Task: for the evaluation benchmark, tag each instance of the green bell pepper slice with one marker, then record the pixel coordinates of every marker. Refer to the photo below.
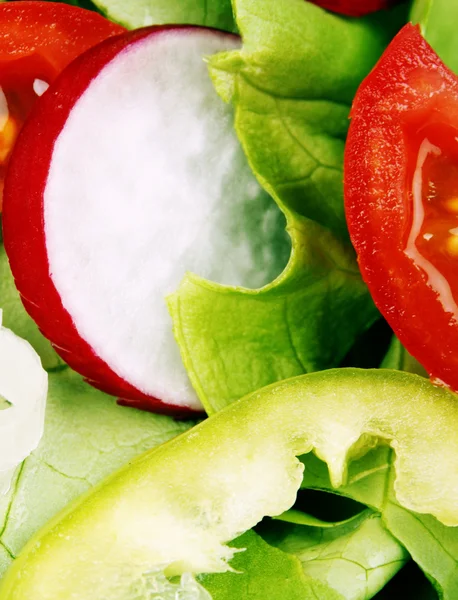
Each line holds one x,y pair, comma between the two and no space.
175,509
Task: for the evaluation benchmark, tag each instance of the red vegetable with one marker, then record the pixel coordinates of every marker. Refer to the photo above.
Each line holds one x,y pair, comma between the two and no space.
401,194
110,193
37,40
354,8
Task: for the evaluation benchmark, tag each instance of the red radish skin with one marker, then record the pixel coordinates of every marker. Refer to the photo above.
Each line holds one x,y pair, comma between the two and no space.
355,8
106,315
23,211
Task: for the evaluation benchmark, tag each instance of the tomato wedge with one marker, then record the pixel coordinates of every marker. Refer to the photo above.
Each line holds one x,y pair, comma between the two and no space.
354,8
37,40
401,195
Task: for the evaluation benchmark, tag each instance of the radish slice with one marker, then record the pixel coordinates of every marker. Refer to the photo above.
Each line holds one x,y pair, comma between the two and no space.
23,391
137,178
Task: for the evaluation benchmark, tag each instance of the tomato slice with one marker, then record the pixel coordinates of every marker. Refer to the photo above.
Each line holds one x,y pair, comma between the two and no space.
355,8
37,40
401,196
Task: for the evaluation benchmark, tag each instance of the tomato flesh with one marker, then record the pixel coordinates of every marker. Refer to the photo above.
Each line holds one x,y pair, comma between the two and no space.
432,241
354,8
37,41
401,198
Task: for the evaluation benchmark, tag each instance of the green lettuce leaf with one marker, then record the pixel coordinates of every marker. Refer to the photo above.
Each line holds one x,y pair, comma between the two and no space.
291,84
87,436
261,571
16,318
410,582
356,558
432,545
234,341
437,20
297,517
139,13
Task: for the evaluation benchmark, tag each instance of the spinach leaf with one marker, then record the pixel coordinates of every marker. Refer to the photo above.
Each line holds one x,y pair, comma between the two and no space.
291,85
437,20
261,571
139,13
87,436
356,558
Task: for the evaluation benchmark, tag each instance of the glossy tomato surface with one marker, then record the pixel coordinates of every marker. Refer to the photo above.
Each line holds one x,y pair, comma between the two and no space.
37,40
401,195
354,8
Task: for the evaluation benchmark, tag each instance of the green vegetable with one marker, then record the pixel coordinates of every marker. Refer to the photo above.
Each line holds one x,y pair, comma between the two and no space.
180,504
437,20
87,436
408,583
4,403
357,558
261,571
291,84
433,546
298,517
139,13
235,341
16,318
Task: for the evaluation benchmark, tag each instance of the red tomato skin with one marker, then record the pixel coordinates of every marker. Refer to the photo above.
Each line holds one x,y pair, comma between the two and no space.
37,41
54,31
409,79
24,234
354,8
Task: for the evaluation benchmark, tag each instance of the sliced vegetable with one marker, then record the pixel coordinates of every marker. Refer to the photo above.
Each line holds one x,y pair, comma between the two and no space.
86,437
23,390
38,39
354,8
400,198
110,217
176,507
291,83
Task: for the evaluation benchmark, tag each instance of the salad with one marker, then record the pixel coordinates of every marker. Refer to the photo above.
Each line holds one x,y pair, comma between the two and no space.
177,239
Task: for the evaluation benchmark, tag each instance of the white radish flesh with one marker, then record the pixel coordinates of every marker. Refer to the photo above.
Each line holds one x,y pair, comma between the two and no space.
148,181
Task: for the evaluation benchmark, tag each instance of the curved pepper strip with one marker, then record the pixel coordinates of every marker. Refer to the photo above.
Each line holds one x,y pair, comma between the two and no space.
176,507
